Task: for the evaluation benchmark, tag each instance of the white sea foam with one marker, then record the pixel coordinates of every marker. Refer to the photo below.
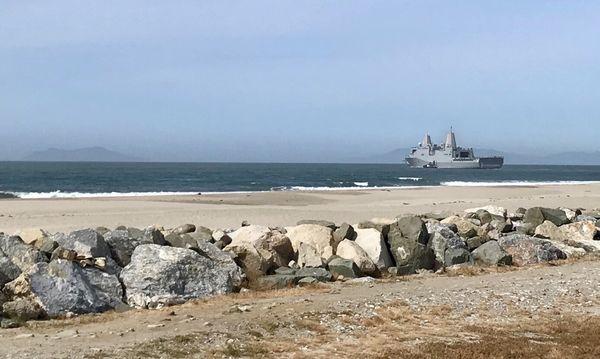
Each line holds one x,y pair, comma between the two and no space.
359,186
514,183
410,178
60,194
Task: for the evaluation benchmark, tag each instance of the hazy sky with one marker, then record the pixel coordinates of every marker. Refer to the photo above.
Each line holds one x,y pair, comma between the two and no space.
296,80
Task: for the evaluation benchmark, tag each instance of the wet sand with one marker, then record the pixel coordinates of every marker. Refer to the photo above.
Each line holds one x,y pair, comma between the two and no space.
278,208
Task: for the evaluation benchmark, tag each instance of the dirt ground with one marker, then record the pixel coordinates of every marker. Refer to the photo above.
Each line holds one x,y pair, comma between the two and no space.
549,311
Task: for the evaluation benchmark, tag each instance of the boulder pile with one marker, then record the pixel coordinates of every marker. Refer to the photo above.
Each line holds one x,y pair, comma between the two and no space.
47,275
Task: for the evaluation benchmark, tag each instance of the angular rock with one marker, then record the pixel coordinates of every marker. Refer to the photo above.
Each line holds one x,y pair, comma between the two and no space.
343,267
491,254
62,287
29,236
571,214
278,246
45,245
308,256
534,215
411,227
484,216
580,235
351,250
121,246
371,240
526,250
475,242
260,249
184,229
526,228
556,216
202,234
254,263
87,242
221,239
454,256
319,237
160,276
318,222
465,227
181,241
22,255
493,210
275,281
345,231
547,230
409,254
440,240
320,274
8,270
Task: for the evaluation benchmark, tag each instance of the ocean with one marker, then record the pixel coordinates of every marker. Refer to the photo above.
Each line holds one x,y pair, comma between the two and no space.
71,180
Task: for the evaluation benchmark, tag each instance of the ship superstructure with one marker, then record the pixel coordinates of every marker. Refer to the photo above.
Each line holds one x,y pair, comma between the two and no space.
448,155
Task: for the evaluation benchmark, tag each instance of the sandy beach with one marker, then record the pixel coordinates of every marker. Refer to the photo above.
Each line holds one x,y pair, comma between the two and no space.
278,208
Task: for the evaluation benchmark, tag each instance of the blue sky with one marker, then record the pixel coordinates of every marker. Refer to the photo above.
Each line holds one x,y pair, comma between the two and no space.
296,80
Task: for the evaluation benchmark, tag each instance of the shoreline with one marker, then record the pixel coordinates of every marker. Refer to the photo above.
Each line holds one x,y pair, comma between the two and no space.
278,208
294,189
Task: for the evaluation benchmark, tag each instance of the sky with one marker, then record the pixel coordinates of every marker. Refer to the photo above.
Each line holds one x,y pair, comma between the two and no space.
297,81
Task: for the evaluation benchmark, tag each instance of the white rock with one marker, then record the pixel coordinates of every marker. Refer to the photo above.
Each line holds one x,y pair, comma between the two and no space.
371,240
319,237
308,256
571,215
31,235
580,235
249,234
348,249
547,230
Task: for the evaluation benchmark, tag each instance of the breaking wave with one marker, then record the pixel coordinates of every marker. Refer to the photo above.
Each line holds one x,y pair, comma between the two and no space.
514,183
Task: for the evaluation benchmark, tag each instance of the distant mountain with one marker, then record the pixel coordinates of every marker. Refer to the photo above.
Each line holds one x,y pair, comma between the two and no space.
90,154
562,158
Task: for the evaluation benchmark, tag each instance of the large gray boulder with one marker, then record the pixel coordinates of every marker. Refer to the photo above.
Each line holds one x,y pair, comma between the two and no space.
408,239
537,216
8,270
491,254
527,250
442,239
122,243
20,254
61,287
411,227
341,267
159,276
86,242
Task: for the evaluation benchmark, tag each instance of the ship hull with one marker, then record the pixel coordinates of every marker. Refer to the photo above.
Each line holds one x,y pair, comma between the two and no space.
478,163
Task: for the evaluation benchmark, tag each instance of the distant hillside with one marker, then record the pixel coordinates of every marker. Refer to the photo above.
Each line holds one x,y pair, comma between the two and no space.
562,158
90,154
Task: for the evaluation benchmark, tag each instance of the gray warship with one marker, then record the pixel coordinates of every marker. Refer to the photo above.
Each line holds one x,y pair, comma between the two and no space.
448,155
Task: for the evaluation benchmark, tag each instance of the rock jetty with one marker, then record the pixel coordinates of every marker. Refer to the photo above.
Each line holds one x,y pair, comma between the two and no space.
52,275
